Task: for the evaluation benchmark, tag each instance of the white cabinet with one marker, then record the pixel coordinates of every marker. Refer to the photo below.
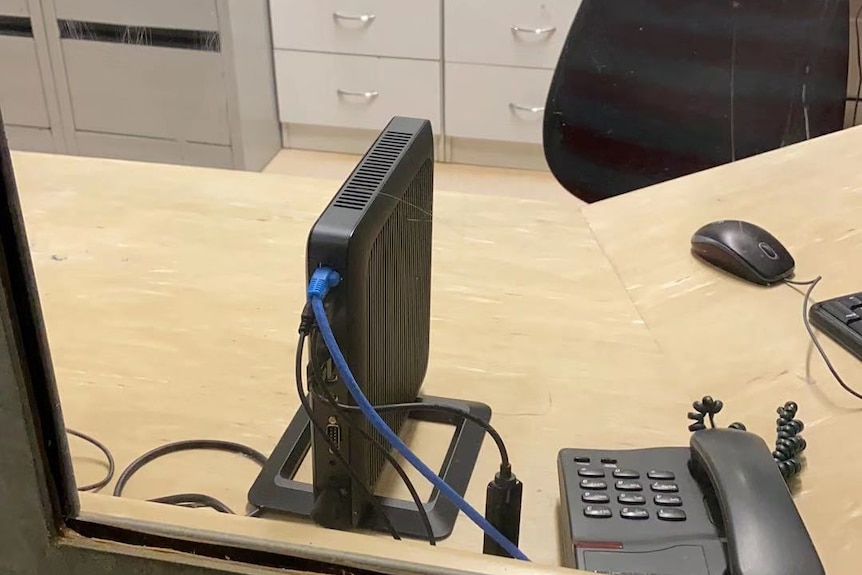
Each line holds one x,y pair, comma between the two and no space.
188,82
480,70
353,64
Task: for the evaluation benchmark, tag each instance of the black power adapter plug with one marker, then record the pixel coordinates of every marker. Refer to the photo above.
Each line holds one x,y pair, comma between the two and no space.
503,509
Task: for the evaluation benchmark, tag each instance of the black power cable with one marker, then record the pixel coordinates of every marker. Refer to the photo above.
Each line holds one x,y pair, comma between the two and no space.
326,395
108,456
189,499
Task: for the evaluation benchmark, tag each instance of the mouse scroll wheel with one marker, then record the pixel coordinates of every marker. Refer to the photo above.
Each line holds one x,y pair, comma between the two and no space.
768,251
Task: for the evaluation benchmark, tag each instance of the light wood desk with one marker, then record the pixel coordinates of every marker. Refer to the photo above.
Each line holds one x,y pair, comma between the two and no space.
747,344
171,298
172,295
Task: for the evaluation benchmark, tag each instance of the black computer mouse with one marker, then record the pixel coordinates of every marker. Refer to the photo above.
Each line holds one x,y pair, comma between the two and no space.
744,250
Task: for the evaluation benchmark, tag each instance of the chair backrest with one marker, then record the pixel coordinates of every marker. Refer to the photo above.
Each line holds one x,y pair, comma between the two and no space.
649,90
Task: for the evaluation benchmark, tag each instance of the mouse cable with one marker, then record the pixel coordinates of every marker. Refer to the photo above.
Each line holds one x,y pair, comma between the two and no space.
333,448
325,395
108,456
194,500
805,301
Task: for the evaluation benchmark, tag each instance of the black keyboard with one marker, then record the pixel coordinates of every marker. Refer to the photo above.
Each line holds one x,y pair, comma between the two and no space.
840,319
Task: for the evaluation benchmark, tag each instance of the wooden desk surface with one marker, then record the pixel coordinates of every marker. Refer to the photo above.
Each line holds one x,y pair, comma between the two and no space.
747,344
171,297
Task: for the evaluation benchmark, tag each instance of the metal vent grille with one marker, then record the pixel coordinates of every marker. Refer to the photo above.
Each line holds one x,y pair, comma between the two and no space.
399,301
368,177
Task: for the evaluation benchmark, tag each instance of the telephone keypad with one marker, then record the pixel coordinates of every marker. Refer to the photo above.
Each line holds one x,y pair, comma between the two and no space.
648,501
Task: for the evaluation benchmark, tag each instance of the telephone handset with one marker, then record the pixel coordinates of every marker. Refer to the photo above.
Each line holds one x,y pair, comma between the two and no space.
720,506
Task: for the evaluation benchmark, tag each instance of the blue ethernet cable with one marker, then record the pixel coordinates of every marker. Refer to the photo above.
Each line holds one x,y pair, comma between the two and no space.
321,281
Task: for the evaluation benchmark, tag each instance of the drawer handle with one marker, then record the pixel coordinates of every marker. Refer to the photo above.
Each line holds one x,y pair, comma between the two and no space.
534,31
364,18
367,96
533,110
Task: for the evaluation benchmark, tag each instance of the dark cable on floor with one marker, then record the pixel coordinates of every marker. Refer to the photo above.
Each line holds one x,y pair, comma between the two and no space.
189,499
300,388
858,64
326,395
805,302
108,456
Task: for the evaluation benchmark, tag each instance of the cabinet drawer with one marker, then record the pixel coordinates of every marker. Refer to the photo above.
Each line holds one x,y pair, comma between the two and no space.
508,32
406,29
175,14
14,8
495,102
22,100
147,91
355,91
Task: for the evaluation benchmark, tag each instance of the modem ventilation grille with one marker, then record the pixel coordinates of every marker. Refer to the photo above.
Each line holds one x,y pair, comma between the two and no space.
369,175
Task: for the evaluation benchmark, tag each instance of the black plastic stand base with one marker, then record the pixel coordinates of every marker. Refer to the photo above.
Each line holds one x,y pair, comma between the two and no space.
276,490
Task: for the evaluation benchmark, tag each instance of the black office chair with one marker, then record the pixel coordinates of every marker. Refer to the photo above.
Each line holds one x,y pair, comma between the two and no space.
649,90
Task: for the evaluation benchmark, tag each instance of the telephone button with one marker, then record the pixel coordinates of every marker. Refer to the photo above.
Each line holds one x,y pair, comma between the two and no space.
626,474
590,497
634,513
591,472
593,484
631,499
661,475
582,459
671,514
597,511
664,487
626,485
668,500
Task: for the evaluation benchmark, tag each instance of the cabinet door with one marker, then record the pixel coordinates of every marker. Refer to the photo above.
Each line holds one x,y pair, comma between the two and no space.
400,28
355,91
508,32
496,102
147,91
22,99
